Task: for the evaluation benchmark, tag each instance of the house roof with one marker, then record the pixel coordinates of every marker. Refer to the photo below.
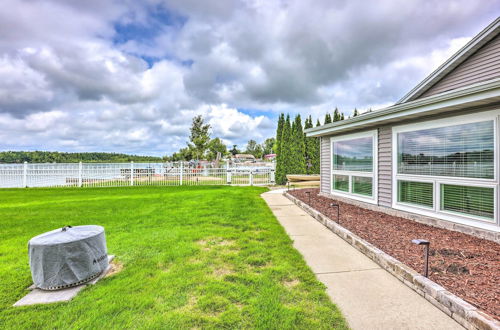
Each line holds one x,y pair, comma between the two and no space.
412,106
454,61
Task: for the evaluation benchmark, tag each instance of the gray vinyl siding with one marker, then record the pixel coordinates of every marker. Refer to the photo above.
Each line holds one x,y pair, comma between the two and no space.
385,166
481,66
325,165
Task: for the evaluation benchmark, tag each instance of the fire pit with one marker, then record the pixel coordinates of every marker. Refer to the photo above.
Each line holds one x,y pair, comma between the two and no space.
67,256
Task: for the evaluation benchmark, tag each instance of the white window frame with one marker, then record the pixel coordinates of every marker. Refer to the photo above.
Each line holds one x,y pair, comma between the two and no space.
374,174
436,211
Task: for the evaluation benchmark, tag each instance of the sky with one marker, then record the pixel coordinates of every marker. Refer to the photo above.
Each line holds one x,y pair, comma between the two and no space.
128,76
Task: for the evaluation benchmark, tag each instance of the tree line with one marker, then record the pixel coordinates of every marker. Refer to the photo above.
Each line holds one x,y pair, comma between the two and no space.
296,153
71,157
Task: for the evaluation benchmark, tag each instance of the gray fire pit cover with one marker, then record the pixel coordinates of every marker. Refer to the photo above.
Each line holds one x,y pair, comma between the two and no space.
67,256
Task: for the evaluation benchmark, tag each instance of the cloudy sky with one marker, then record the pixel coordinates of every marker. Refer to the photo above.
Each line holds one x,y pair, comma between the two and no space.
128,76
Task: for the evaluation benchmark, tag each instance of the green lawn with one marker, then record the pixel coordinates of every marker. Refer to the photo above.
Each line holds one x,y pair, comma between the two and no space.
193,257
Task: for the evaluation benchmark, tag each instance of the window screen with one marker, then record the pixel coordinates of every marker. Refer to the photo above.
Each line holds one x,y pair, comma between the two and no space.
353,155
418,193
458,151
362,185
477,201
341,182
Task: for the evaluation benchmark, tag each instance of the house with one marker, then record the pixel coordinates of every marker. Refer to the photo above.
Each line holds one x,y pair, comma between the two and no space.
434,155
240,158
270,157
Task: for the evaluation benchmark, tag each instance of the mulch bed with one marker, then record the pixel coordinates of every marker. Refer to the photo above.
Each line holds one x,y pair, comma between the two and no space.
465,265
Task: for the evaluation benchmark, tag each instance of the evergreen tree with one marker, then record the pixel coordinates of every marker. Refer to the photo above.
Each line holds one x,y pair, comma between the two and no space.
286,154
280,169
298,147
310,143
342,116
356,113
336,115
318,123
328,119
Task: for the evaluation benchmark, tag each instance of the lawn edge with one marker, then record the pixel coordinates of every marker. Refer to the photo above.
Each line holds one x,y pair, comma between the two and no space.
461,311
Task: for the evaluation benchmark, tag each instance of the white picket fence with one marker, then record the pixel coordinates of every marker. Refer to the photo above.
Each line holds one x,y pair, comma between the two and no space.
129,174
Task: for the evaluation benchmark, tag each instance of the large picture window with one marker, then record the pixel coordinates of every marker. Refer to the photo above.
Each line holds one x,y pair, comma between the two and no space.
458,151
447,168
353,165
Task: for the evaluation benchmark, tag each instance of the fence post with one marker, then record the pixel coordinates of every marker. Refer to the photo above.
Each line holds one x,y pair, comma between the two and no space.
182,172
228,173
251,177
271,176
80,174
25,175
132,173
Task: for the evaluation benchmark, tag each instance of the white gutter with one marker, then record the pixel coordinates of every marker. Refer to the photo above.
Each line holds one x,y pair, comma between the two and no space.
423,106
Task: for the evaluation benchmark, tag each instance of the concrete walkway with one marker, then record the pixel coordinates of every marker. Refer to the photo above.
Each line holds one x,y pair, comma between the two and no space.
368,296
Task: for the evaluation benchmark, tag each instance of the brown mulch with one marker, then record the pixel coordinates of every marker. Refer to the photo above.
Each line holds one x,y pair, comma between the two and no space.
465,265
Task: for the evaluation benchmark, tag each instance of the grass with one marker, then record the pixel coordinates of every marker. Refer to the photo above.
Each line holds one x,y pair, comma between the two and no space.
192,257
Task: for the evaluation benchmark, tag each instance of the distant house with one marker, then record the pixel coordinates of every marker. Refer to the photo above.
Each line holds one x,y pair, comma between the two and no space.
434,155
270,157
244,158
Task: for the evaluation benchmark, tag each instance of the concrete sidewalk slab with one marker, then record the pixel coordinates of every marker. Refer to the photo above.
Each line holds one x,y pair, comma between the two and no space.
368,296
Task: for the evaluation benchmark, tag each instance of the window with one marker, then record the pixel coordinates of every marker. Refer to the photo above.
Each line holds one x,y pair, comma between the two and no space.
353,165
341,182
362,185
475,201
416,193
353,155
447,168
457,151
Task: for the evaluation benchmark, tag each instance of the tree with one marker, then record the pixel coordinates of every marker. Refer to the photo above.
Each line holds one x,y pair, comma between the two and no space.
280,169
342,116
328,119
215,146
298,162
356,113
235,150
336,115
200,137
254,149
268,146
284,161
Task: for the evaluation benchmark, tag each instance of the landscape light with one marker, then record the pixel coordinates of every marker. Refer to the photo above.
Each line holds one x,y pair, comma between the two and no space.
309,195
426,245
338,210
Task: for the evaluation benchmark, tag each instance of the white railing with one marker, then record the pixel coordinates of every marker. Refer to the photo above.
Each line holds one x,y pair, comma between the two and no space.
129,174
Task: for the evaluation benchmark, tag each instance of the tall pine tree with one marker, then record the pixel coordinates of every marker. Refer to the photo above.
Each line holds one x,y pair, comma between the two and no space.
286,153
312,150
328,119
280,170
336,115
298,147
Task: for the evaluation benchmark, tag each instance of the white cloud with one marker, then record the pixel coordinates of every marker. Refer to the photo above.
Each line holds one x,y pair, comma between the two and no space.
128,76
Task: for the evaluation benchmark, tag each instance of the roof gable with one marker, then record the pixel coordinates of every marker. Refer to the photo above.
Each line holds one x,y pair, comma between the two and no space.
478,60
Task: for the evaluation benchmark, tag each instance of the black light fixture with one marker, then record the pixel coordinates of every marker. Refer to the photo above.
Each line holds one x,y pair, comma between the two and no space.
426,245
338,210
309,195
